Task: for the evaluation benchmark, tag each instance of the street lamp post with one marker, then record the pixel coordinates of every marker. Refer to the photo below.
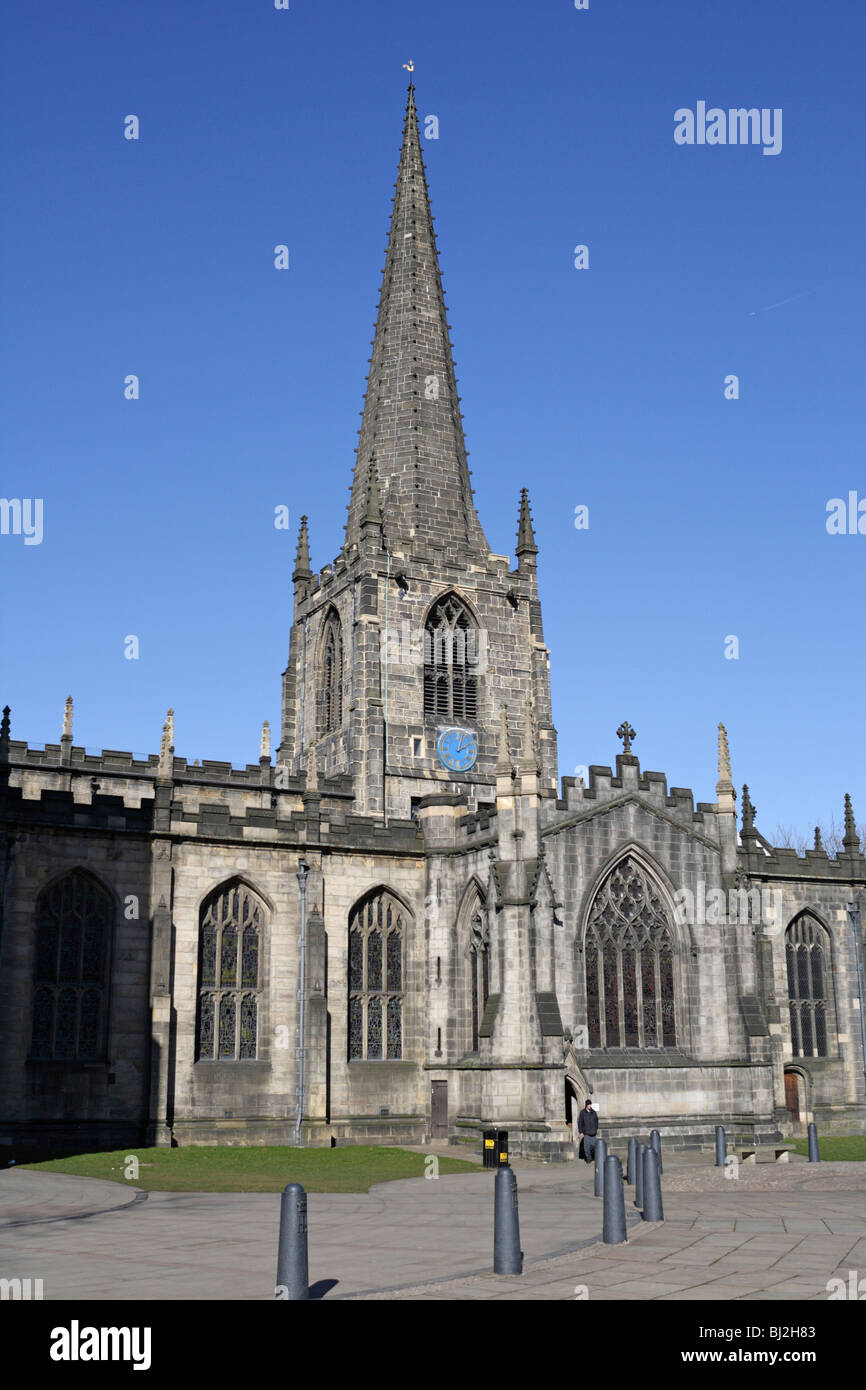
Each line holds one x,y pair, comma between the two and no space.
303,870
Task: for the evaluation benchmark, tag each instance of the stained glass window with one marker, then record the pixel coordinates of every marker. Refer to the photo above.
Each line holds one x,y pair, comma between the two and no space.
628,939
395,961
208,954
648,995
74,918
451,660
374,1028
64,1033
356,960
356,1029
666,971
629,997
248,1026
228,1010
205,1026
43,1023
88,1025
395,1028
230,932
229,956
593,1022
374,960
807,949
611,995
250,959
375,969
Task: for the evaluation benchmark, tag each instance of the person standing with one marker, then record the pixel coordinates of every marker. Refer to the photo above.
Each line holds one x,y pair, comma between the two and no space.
587,1128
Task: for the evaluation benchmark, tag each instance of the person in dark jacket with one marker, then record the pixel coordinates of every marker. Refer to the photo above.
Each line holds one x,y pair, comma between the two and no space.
587,1128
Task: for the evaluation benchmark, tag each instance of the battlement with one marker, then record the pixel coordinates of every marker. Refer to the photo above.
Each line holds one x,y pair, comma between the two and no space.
784,862
605,785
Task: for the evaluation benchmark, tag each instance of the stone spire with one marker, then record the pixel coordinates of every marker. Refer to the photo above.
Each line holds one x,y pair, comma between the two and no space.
302,559
166,746
725,805
748,809
850,840
4,749
724,784
819,844
525,534
411,417
265,741
66,734
748,833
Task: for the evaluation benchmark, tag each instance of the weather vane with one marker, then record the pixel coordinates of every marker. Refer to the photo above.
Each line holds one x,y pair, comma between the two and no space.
410,66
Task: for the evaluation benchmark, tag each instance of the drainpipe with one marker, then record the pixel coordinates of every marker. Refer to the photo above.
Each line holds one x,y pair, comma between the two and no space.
303,869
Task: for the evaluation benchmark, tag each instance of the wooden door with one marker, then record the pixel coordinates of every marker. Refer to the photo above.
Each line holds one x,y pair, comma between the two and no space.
439,1109
792,1095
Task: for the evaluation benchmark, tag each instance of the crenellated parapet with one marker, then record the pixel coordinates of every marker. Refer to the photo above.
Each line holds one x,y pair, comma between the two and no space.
607,788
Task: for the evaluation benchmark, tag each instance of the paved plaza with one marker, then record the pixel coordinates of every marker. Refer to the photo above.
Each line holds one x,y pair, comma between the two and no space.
775,1232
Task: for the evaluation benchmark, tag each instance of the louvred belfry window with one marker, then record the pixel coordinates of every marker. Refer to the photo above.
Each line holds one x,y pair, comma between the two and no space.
451,662
74,918
376,946
810,1004
629,963
330,695
230,947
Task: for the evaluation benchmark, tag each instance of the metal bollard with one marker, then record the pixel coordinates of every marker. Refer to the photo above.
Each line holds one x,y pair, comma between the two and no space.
652,1187
613,1218
721,1146
293,1279
632,1159
814,1152
656,1144
507,1254
600,1155
638,1175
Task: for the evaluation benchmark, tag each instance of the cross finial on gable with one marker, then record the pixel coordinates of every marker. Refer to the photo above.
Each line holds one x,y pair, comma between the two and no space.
626,733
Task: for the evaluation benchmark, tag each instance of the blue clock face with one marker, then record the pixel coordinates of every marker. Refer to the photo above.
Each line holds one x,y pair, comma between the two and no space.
457,749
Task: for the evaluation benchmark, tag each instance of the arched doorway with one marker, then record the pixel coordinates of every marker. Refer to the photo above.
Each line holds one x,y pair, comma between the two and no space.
795,1099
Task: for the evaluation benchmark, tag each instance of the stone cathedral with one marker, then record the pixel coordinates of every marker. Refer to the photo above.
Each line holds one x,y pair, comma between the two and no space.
397,927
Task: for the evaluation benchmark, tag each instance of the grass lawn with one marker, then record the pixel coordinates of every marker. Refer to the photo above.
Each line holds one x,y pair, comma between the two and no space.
219,1169
836,1147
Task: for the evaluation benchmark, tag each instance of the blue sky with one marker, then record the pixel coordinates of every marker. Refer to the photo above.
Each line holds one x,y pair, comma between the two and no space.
602,387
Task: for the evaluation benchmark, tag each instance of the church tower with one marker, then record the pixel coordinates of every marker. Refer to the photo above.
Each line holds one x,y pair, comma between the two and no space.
404,649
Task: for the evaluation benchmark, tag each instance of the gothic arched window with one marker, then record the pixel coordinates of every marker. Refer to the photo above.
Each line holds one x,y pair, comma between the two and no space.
229,975
807,954
376,946
451,661
331,676
629,961
479,967
74,917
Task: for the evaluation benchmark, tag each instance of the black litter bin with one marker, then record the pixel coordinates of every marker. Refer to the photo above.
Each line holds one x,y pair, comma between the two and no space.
494,1148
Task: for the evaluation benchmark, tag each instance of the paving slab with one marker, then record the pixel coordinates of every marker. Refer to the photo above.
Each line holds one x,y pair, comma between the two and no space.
420,1239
